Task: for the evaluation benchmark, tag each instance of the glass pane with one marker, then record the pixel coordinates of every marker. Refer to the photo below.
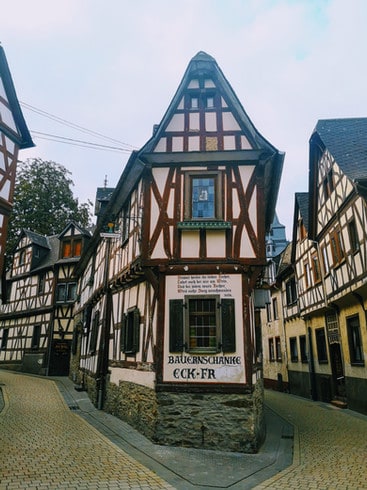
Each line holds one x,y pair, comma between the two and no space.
203,197
202,319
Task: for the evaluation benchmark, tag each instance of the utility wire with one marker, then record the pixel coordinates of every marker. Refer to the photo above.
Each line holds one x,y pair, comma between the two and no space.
75,142
73,125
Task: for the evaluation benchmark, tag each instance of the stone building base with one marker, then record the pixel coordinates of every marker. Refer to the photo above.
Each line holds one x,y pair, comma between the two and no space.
225,422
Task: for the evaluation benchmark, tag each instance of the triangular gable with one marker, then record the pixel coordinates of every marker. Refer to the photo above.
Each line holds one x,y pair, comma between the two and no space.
301,210
205,115
73,229
12,122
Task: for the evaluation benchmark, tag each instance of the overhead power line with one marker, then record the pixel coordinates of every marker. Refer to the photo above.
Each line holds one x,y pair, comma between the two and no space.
75,142
75,126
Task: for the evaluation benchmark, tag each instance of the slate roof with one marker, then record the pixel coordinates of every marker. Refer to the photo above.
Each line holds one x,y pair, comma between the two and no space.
37,239
346,140
302,202
23,138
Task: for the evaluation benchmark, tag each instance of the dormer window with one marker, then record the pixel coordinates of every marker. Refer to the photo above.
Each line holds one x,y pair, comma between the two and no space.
71,248
22,257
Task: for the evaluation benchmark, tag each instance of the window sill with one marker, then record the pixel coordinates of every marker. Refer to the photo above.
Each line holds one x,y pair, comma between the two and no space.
203,224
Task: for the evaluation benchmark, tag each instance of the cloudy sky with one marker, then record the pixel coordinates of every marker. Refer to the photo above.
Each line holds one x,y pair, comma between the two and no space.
104,72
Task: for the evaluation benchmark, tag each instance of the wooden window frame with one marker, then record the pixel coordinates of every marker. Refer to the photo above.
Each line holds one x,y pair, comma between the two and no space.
291,291
293,349
353,236
271,349
275,308
316,271
336,245
69,292
321,345
355,341
130,331
278,349
36,337
218,200
179,326
94,333
4,339
303,348
307,275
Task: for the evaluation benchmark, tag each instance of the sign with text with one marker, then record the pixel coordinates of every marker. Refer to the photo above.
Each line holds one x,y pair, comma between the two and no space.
205,367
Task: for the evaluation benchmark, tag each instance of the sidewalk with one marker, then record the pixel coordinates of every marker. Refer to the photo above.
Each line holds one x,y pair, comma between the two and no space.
185,468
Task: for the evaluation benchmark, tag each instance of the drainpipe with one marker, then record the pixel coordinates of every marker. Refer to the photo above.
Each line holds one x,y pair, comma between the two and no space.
312,366
105,332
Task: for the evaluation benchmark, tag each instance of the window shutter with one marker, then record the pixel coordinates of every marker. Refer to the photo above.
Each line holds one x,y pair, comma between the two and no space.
136,330
123,333
176,325
228,326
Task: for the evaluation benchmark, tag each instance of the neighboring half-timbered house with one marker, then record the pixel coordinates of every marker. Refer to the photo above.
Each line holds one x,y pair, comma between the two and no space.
167,337
324,289
337,304
36,318
14,135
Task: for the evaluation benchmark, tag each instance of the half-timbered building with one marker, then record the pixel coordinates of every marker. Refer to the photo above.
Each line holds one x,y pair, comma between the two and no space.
14,135
165,309
324,289
36,317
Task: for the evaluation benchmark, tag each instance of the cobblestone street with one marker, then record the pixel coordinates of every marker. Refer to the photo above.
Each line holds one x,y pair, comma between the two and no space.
330,446
44,445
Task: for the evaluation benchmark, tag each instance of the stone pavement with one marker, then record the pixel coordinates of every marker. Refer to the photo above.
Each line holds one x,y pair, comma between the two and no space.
46,444
330,446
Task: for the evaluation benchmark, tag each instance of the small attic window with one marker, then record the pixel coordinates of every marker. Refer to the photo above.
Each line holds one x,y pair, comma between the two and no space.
194,103
209,102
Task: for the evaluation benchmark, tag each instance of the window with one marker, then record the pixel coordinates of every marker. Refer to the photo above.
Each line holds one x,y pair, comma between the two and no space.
66,292
325,259
36,337
4,340
293,349
130,331
307,273
71,248
355,341
194,102
203,196
202,320
22,257
303,348
41,283
202,324
337,250
353,236
278,349
328,184
316,268
94,334
125,221
321,345
271,350
268,312
275,309
291,291
210,102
